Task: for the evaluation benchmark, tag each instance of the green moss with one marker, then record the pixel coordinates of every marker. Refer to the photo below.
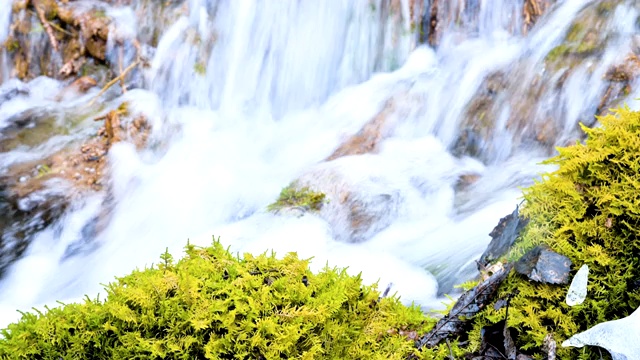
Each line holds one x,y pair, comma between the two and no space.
588,210
585,37
557,52
214,305
293,196
199,69
11,44
575,32
99,14
605,7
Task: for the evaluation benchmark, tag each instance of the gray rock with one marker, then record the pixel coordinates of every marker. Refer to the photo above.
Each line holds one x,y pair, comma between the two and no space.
503,237
544,265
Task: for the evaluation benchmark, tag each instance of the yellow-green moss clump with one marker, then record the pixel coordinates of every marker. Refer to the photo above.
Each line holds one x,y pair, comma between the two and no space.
214,305
588,210
293,196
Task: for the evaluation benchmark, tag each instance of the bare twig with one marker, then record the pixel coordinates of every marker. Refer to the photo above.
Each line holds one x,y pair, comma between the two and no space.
115,80
57,27
120,60
47,27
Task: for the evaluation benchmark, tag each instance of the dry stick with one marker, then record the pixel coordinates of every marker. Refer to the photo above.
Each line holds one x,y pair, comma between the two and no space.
53,25
115,80
120,60
57,27
45,23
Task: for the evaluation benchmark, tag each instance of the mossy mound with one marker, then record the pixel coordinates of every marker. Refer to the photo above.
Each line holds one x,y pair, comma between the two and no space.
295,196
214,305
588,210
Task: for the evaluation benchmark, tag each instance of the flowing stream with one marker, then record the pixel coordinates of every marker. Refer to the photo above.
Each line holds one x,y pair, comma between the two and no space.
246,96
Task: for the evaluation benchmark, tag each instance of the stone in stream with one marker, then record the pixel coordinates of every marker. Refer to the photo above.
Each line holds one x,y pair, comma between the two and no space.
544,265
356,208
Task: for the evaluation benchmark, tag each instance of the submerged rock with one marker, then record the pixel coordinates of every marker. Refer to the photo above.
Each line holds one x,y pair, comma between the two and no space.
23,215
543,265
367,140
508,102
356,208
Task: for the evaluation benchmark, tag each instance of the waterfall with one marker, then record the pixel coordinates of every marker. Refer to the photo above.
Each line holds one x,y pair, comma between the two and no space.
246,96
5,17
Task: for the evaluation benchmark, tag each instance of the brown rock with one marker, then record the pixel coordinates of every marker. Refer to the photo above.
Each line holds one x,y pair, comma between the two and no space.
532,11
96,47
368,138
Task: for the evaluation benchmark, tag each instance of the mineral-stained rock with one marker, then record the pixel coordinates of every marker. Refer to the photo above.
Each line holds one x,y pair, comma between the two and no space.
544,265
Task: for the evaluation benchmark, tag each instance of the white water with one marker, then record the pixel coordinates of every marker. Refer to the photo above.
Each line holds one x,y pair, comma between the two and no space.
286,82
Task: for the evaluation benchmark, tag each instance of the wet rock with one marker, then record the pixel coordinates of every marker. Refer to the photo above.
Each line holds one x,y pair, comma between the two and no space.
526,83
22,215
441,15
468,305
543,265
532,11
34,194
502,237
78,87
368,138
355,209
35,126
59,38
12,89
620,78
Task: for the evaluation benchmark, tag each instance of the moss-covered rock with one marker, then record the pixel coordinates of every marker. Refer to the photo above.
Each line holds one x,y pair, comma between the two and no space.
588,210
300,197
214,305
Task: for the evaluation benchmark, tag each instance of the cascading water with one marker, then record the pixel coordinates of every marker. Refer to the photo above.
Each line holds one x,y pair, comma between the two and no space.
246,96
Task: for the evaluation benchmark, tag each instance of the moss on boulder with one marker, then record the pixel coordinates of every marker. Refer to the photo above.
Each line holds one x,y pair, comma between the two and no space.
589,211
301,197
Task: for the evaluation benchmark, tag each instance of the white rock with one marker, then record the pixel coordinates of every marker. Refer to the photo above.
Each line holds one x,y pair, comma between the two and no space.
619,337
578,289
